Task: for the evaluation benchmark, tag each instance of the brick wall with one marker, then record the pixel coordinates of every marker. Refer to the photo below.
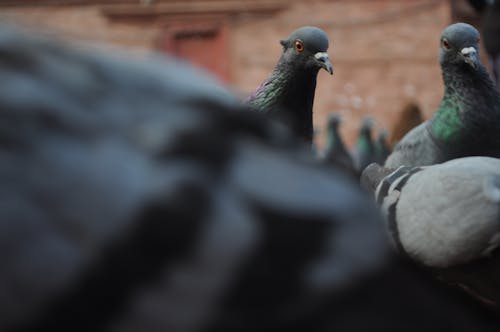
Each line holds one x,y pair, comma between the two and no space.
384,52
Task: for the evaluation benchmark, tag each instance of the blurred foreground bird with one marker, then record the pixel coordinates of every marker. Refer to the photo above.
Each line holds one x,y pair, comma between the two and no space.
446,217
288,94
364,152
467,121
335,152
140,196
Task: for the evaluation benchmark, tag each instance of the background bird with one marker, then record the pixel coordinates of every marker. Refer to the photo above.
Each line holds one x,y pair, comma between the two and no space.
288,93
468,119
446,217
364,152
382,149
335,152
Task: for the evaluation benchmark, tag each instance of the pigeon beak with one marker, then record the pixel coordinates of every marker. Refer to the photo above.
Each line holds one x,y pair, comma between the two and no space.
324,61
470,56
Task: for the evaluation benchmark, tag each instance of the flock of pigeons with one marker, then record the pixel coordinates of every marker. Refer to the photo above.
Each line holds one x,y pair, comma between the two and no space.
139,195
439,190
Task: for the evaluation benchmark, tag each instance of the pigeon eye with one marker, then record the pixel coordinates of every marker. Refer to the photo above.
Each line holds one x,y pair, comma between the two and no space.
299,45
446,44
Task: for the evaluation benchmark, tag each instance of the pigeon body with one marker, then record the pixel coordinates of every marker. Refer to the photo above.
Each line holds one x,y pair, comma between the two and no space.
468,118
364,153
288,94
446,217
335,153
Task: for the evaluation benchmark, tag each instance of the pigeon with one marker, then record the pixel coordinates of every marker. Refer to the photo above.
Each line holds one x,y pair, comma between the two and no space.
467,120
446,217
335,152
382,149
140,195
288,94
409,117
364,153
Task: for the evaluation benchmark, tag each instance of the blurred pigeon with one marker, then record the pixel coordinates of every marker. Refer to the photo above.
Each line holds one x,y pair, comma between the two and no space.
288,94
364,153
446,217
140,196
382,150
335,152
314,147
467,121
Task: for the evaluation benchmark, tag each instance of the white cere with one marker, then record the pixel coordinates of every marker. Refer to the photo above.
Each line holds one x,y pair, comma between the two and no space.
468,50
321,55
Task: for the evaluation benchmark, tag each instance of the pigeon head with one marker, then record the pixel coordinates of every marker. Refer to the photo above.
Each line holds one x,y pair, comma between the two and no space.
383,135
306,49
334,121
366,126
459,45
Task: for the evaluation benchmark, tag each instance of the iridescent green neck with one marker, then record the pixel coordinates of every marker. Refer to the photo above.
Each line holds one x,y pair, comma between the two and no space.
446,124
363,142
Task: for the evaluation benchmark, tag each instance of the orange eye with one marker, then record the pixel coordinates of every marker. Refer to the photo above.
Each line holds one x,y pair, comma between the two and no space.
446,44
299,45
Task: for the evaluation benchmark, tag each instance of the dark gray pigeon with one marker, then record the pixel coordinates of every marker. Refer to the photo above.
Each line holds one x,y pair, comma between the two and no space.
141,196
335,152
446,217
364,152
288,94
467,121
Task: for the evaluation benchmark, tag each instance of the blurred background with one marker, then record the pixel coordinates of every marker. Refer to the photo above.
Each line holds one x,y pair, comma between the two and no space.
384,52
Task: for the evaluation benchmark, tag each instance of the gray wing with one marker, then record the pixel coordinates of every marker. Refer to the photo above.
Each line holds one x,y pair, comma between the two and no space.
445,213
415,149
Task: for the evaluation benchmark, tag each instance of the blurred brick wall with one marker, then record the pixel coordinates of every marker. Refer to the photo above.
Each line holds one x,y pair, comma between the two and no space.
384,52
